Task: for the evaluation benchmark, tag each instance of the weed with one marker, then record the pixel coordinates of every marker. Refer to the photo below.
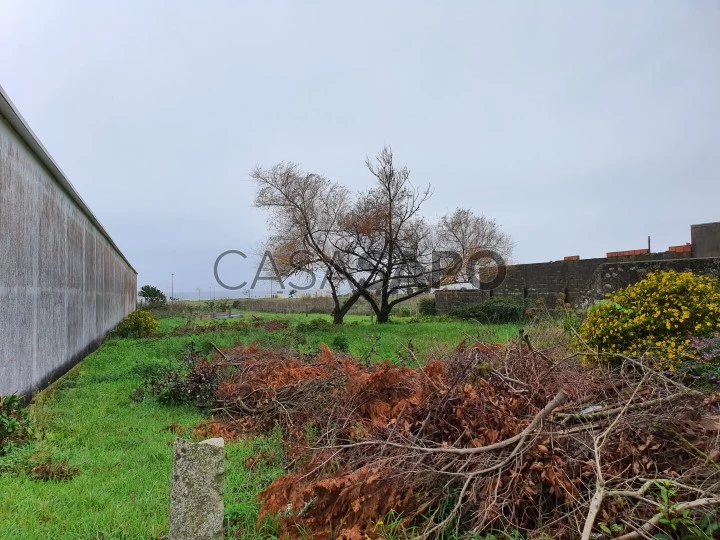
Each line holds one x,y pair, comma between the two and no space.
123,448
371,350
314,325
340,344
47,469
406,355
427,306
15,427
193,381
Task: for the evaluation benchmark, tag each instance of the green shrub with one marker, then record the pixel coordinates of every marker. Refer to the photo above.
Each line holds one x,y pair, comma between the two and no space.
493,310
138,324
427,306
658,314
571,320
15,427
314,325
192,380
403,312
340,343
152,296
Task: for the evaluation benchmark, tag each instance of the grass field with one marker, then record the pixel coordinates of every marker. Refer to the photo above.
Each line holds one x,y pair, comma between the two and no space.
122,449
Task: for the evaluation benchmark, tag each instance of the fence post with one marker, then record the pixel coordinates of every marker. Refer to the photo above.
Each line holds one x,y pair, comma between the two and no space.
198,484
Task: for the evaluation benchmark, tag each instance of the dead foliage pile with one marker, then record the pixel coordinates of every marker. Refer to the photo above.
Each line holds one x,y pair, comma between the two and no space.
492,437
48,469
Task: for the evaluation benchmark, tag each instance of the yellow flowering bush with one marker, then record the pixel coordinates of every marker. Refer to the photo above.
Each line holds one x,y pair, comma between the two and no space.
655,316
137,325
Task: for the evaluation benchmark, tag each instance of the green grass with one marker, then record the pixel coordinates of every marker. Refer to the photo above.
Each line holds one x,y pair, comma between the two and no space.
123,449
430,336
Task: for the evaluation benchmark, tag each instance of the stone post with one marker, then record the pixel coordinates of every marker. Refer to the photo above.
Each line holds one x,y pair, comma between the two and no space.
198,484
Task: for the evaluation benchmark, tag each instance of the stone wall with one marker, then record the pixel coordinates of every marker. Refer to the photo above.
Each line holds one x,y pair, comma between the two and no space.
578,282
63,282
446,301
612,276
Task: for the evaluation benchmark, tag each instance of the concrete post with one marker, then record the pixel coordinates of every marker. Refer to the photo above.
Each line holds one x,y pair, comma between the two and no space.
198,483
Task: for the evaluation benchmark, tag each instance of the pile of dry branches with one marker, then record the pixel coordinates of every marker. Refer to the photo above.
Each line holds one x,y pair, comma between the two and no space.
489,438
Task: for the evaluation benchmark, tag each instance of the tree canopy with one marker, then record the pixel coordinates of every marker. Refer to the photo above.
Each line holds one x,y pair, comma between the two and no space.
152,295
377,243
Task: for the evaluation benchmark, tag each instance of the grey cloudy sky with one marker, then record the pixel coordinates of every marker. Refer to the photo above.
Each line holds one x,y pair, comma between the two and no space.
582,127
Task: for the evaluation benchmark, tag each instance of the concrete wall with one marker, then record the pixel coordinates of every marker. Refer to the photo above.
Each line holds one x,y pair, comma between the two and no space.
705,240
63,282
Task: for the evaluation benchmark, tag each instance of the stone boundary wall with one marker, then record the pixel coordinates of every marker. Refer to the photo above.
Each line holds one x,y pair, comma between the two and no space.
448,300
63,282
612,276
577,282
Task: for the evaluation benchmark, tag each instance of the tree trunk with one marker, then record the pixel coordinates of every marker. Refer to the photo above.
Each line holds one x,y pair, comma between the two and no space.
383,315
339,311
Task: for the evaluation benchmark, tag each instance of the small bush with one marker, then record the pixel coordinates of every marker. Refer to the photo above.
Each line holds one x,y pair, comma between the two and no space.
15,427
138,324
571,320
403,312
341,344
193,381
494,310
314,325
658,314
427,306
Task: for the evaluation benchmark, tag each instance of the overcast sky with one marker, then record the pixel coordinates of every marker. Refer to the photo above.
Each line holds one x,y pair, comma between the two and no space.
582,127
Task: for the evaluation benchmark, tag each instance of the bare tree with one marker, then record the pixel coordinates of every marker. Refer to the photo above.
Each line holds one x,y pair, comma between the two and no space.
385,242
468,235
306,210
377,244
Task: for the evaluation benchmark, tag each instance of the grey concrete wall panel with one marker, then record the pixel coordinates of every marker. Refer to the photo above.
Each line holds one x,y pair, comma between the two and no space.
705,240
63,282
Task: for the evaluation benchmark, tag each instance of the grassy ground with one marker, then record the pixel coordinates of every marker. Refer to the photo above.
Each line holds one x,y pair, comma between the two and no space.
122,449
367,340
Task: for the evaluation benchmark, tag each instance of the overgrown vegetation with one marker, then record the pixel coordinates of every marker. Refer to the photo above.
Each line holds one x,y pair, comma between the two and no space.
656,317
138,324
703,363
489,438
107,458
15,426
492,311
192,380
391,431
427,306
